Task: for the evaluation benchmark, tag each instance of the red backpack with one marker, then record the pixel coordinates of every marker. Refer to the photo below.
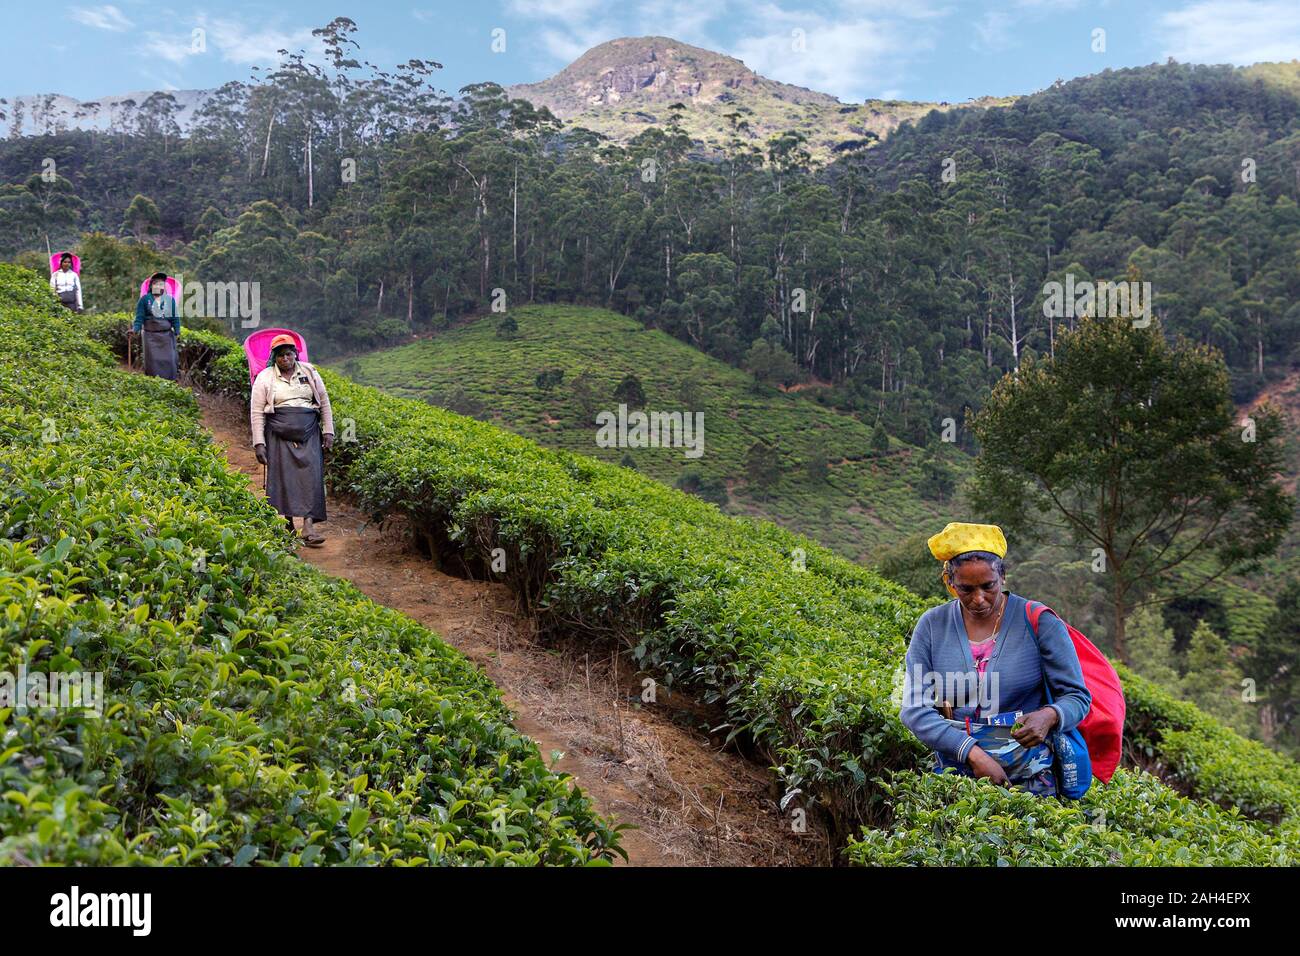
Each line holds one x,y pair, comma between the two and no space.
1102,727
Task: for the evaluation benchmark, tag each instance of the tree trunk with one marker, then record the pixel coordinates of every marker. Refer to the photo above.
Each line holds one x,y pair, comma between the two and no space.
1259,343
310,183
1015,342
514,224
988,338
266,150
1118,639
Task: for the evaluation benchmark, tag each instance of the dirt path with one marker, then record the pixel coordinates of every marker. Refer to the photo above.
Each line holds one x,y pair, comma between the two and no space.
651,765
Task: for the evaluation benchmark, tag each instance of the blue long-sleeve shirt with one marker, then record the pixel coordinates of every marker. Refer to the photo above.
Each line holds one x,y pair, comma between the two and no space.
144,310
940,667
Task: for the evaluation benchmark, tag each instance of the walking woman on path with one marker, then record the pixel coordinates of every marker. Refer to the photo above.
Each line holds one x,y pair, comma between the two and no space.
158,322
981,689
292,428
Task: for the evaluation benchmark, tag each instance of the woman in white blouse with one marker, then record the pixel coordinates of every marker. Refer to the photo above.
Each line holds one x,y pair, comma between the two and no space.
66,284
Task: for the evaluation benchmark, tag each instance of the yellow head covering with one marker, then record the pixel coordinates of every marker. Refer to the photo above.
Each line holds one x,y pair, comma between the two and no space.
959,537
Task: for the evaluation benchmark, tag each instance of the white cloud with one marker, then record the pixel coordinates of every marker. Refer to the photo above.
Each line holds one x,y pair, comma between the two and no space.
851,59
152,83
571,31
685,20
567,45
911,9
234,41
993,32
1232,31
552,9
106,17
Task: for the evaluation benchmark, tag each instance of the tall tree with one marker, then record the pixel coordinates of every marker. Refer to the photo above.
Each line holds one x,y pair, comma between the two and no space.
1130,446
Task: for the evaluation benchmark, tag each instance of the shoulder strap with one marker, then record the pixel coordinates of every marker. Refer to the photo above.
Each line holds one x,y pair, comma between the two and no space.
1033,611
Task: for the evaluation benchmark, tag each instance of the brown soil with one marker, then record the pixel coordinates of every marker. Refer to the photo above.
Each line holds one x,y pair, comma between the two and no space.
652,765
1284,394
813,382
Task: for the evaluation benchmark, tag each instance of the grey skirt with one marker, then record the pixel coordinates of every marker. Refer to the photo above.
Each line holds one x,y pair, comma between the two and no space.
159,348
295,463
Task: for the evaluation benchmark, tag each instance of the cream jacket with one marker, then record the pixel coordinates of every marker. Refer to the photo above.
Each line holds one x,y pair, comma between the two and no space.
262,401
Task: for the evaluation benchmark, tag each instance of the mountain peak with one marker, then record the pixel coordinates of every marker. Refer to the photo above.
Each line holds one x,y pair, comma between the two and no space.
621,87
652,70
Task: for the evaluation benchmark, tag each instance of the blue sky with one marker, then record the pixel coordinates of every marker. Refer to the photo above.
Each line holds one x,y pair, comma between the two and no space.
854,49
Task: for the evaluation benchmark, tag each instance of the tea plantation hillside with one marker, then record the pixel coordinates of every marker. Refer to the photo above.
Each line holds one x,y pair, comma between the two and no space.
861,498
254,710
863,501
798,647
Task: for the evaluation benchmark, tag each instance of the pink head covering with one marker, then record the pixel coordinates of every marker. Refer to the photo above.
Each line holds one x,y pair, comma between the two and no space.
58,257
257,348
172,287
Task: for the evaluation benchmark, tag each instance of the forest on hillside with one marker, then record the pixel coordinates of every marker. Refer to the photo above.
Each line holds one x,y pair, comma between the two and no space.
910,276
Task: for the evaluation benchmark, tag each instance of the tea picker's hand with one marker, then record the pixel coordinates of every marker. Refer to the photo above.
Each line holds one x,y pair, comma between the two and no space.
260,452
328,441
982,765
1034,728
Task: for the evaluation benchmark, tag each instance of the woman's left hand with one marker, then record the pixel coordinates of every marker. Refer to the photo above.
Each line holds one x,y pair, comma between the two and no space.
1035,727
327,441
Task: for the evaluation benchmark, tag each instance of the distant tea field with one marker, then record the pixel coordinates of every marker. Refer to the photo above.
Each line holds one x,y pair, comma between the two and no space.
859,499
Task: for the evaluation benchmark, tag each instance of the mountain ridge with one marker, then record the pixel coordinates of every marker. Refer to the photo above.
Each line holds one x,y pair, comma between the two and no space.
622,86
619,89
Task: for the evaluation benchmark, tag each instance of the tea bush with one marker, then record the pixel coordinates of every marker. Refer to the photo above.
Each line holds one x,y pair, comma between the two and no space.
255,711
1135,820
1201,755
798,646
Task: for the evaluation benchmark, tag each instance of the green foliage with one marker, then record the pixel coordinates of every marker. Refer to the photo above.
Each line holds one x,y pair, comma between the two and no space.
1128,167
1202,756
629,392
861,504
112,270
938,474
694,482
255,710
141,218
1133,445
770,365
548,378
817,467
797,646
951,820
909,563
1151,647
1275,666
1213,681
762,468
879,439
